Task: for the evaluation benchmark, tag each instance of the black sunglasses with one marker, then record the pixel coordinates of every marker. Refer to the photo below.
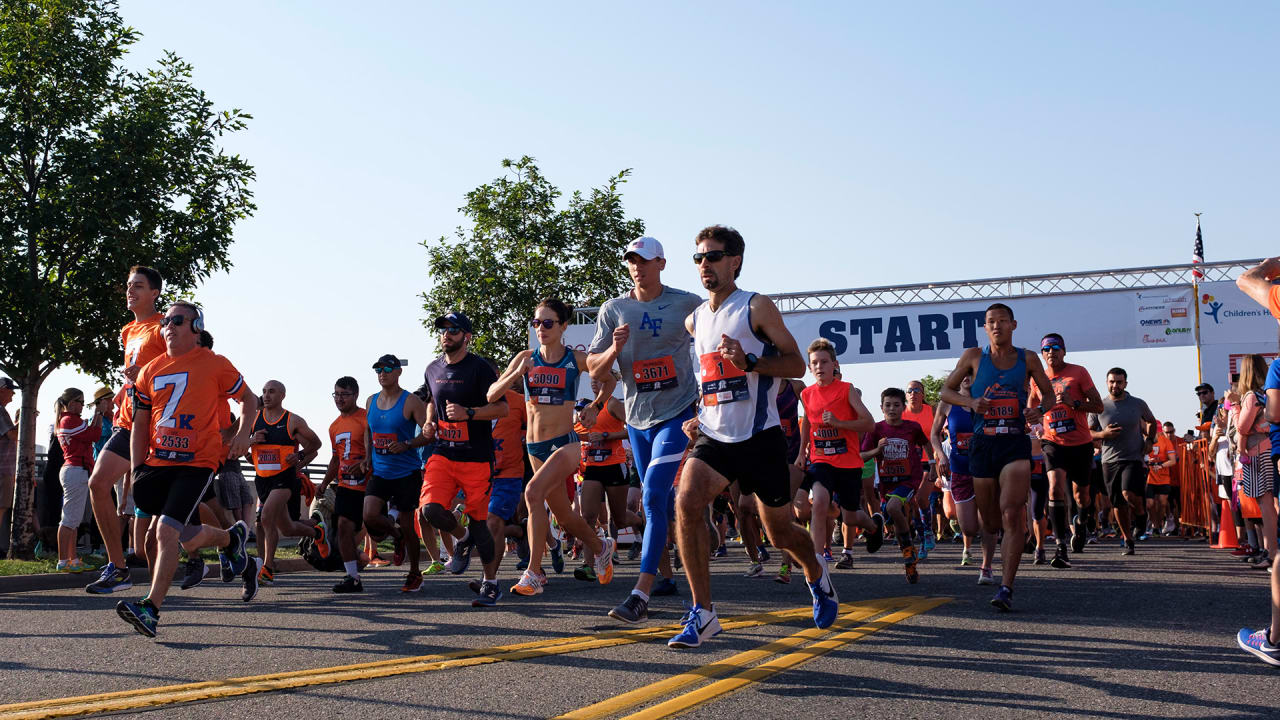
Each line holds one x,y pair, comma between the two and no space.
712,255
174,320
450,331
546,324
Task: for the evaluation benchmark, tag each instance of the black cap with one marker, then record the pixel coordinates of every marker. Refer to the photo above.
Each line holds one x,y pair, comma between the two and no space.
8,384
1202,387
455,318
389,359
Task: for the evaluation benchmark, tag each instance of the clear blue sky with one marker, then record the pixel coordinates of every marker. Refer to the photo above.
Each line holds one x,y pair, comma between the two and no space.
852,144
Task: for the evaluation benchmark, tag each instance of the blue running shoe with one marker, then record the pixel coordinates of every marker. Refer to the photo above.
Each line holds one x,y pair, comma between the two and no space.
112,579
664,586
1257,643
1003,600
237,557
142,615
488,595
557,557
461,558
764,553
699,624
929,542
825,603
720,552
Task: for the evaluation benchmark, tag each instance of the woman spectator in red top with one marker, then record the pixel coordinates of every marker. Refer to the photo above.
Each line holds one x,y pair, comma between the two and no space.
76,437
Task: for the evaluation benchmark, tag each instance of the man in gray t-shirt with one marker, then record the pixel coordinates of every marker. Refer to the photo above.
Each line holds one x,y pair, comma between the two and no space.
643,332
1126,429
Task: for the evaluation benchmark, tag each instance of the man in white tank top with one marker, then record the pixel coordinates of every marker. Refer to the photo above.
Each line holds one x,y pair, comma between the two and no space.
744,351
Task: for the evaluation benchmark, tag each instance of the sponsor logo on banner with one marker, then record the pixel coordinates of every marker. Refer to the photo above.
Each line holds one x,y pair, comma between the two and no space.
1154,340
1166,313
1153,321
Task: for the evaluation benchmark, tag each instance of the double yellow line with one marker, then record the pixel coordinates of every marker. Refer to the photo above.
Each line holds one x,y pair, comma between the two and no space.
221,689
826,641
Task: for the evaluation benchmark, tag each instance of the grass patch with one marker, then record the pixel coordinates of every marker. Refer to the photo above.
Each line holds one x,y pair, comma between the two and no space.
44,565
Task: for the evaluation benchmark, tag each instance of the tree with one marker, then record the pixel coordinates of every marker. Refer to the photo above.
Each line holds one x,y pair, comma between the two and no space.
520,249
933,388
100,168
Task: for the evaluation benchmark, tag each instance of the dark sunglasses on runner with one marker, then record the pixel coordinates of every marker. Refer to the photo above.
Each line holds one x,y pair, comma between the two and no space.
381,370
546,324
174,320
450,331
1050,346
712,255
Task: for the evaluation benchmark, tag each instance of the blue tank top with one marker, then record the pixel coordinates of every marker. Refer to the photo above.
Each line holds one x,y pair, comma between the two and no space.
552,383
960,430
1007,392
386,426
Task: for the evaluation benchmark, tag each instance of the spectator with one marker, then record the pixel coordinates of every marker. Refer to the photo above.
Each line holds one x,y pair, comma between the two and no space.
103,405
76,438
8,458
1209,408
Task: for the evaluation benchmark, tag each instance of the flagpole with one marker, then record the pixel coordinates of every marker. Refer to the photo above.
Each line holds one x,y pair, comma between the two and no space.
1195,291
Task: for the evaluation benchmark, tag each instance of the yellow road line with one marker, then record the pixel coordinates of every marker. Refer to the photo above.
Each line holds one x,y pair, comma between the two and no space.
640,696
214,689
694,698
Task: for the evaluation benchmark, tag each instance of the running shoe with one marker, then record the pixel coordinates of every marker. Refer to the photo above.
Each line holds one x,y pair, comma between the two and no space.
523,564
434,567
412,582
825,603
461,559
1029,545
322,540
632,610
755,570
1257,643
1060,559
378,561
604,561
237,556
349,585
720,552
826,556
699,624
1077,535
112,579
784,574
252,577
1128,549
142,615
557,557
1260,560
929,542
266,576
846,561
584,573
876,539
909,560
74,565
530,583
633,552
1040,558
397,554
985,577
1242,551
1144,536
764,553
196,571
665,587
966,558
133,560
922,553
488,595
1003,599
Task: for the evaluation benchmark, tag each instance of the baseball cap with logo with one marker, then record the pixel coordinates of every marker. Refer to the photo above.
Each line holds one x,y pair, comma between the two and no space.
389,360
645,246
455,318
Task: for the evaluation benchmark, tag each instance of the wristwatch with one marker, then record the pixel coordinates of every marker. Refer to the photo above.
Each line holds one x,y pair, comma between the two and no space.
751,361
471,413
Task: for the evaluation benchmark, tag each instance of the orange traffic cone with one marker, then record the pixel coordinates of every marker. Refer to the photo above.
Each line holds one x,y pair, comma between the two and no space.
1227,539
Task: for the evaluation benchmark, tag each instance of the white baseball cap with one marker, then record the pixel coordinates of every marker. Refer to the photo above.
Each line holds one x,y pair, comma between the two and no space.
646,247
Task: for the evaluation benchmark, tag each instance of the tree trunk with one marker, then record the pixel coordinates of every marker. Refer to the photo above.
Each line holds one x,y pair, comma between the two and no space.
22,537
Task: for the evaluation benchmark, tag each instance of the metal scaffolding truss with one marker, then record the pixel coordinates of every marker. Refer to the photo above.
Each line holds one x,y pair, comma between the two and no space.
1146,278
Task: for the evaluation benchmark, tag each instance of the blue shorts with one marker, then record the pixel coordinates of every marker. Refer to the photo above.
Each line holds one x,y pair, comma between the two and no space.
902,490
543,448
504,497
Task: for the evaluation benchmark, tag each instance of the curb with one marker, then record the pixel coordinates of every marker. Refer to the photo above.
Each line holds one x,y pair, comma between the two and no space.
139,576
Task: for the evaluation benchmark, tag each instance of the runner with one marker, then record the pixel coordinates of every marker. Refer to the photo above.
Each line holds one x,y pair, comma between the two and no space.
277,460
1127,430
1068,444
178,448
833,452
744,506
1160,461
508,477
551,373
895,443
458,419
394,416
642,332
603,476
927,506
742,346
142,342
349,438
1000,455
954,465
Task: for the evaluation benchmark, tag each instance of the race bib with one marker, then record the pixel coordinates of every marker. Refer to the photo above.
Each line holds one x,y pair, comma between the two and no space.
547,385
1061,420
895,461
722,382
382,443
654,374
961,445
174,444
347,472
1002,417
453,433
597,454
827,440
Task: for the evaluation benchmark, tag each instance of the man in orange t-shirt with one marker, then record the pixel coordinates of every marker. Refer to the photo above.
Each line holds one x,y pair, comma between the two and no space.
350,440
177,449
1160,461
929,499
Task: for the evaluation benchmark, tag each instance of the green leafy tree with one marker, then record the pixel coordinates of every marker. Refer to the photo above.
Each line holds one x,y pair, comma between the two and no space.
521,248
933,388
100,168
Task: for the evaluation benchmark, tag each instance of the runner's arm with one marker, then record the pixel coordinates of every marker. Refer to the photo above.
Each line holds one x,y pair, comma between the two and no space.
1256,281
789,362
518,366
804,442
1092,401
950,392
863,423
138,441
1152,428
248,411
600,360
935,436
1041,380
330,472
309,440
607,384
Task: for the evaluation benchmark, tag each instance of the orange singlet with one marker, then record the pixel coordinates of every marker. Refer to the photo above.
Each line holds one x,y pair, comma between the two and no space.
142,343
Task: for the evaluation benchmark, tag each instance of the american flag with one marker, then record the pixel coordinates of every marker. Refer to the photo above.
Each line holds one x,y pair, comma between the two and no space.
1197,255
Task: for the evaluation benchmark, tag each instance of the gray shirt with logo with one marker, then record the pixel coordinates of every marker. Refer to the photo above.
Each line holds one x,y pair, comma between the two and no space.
1127,412
657,362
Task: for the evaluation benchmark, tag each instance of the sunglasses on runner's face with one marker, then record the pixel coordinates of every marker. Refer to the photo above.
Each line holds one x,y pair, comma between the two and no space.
1051,346
381,370
174,320
711,255
546,324
450,331
345,394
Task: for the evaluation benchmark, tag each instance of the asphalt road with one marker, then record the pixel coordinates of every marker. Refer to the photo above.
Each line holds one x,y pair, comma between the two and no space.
1113,637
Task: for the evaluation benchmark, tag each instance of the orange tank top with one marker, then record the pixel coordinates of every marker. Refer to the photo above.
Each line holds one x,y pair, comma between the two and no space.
610,452
828,444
